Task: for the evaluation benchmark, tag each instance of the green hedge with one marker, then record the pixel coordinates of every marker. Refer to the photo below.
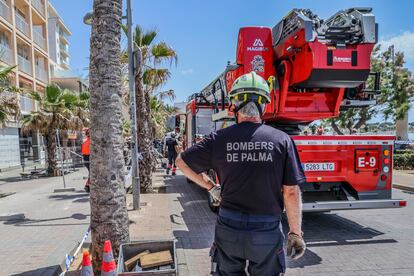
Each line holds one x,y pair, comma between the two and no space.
404,161
403,151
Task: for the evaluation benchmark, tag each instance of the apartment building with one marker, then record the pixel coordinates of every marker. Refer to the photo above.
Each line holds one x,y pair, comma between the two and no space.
25,43
58,43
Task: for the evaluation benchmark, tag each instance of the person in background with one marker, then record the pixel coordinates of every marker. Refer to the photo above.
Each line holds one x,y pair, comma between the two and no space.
172,151
319,131
176,132
180,145
86,151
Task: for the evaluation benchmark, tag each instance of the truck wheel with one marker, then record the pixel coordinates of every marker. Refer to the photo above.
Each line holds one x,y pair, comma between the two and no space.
213,208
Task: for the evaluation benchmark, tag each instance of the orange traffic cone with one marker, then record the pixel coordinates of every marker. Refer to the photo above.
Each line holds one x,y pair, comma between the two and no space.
108,263
86,265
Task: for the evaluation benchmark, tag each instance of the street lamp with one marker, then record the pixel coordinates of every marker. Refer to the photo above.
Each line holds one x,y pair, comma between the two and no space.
87,19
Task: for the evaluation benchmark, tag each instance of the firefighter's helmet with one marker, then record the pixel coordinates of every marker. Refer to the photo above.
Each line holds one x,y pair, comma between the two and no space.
250,88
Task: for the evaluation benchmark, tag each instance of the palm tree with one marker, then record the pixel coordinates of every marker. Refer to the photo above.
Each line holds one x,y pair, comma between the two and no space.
109,217
159,115
58,109
149,78
9,101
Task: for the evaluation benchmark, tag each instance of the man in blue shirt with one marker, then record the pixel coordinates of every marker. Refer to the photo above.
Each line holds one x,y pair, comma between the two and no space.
260,173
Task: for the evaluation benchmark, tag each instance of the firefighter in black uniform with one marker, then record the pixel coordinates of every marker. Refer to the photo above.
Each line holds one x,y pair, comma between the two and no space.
260,173
172,150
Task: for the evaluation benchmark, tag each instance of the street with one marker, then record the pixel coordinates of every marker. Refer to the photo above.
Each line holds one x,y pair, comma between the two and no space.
363,242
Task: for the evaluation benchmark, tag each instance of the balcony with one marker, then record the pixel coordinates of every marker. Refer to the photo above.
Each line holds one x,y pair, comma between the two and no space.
63,36
27,105
24,65
39,6
41,74
6,54
21,24
64,50
39,39
4,10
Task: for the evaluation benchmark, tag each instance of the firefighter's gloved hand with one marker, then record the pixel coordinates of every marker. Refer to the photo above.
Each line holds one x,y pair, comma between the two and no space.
215,193
295,246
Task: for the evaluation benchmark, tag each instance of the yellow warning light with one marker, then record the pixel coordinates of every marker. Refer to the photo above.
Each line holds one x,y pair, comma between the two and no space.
319,178
386,152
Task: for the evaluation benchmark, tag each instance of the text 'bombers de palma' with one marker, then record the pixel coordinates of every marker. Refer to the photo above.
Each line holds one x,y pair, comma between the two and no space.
255,151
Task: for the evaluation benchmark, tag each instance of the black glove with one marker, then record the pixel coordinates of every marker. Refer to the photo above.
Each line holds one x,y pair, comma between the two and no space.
297,243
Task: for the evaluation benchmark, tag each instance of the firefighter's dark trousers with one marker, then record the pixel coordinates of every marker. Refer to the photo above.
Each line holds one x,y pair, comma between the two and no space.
240,238
172,155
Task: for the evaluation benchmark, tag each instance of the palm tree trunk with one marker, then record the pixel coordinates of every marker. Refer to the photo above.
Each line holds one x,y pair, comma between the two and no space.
144,135
51,151
402,128
109,217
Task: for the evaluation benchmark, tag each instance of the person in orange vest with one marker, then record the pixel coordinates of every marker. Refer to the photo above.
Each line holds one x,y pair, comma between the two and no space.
86,151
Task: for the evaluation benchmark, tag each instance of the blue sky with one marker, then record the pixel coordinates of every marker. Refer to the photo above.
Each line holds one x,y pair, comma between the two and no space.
204,33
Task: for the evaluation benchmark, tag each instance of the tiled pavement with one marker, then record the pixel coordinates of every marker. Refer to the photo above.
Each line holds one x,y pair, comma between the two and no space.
369,242
54,223
364,242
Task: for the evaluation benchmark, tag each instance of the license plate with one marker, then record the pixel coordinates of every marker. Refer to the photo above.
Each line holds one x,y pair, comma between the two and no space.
318,167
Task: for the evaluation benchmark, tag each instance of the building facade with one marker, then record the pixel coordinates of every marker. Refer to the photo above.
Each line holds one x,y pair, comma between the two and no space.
58,43
25,42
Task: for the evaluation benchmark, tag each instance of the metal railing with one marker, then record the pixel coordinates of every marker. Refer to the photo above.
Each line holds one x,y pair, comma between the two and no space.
41,74
64,49
64,61
63,35
38,5
21,24
5,10
27,105
24,65
39,39
6,54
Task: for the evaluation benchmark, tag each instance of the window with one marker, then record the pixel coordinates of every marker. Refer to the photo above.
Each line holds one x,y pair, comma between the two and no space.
23,52
19,12
4,39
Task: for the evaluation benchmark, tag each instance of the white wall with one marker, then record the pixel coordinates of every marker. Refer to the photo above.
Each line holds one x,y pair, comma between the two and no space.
9,147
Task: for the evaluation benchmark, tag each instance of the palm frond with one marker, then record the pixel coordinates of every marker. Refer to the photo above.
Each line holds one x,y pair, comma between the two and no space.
148,37
35,96
169,94
52,93
153,78
162,52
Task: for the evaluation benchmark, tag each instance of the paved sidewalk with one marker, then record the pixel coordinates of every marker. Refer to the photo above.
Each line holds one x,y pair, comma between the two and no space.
403,180
362,242
53,225
181,213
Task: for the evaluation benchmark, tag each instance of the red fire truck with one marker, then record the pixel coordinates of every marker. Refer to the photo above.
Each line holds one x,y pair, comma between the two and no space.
315,68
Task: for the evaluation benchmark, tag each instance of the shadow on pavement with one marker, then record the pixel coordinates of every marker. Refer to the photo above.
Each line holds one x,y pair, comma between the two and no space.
331,229
41,222
193,226
44,271
79,196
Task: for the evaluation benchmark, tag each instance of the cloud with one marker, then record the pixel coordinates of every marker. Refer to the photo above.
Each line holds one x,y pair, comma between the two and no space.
187,71
403,42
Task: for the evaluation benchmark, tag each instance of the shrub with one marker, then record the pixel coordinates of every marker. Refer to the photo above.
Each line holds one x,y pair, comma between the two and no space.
404,161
